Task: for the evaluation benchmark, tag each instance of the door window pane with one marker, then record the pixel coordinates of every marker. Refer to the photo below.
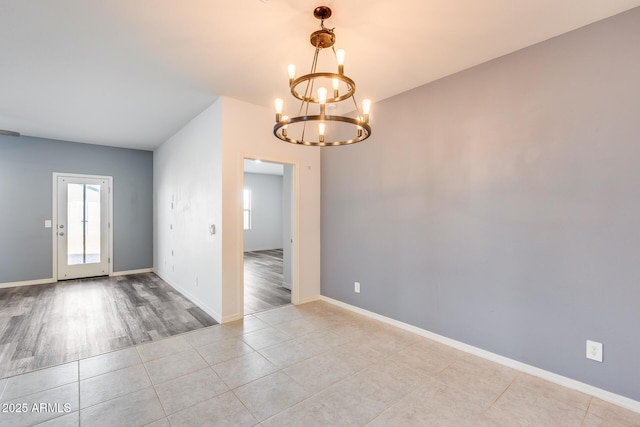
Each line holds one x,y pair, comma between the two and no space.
83,224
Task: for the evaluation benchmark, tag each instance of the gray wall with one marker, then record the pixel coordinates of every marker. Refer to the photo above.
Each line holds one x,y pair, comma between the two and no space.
26,168
501,206
266,212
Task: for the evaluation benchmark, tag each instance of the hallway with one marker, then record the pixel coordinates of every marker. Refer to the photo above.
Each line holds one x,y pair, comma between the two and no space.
263,280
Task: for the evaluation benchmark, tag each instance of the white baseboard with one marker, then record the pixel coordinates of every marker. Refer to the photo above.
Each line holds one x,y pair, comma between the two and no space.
128,272
616,399
309,299
232,318
52,280
27,283
192,298
261,249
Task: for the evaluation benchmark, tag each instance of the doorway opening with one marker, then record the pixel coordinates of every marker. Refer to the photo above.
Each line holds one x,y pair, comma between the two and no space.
268,223
82,233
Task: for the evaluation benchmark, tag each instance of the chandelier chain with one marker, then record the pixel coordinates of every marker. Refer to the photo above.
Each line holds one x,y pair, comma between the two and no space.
309,90
325,28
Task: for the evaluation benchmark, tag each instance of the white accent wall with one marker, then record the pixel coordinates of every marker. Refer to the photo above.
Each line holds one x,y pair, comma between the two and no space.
187,201
201,170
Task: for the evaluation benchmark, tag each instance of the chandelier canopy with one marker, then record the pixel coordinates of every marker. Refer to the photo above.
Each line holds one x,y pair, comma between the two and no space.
313,125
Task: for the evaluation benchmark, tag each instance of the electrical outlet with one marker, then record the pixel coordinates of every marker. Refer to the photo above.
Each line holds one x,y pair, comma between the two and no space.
356,287
594,350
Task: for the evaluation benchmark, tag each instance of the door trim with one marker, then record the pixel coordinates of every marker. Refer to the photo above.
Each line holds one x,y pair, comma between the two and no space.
54,217
295,232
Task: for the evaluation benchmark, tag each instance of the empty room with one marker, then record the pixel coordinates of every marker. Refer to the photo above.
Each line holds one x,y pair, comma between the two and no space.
357,213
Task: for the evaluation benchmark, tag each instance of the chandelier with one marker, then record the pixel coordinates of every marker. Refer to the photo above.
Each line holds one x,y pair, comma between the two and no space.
319,91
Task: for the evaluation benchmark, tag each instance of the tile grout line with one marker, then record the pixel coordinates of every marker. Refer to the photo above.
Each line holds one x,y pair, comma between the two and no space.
278,369
144,366
586,412
208,366
316,394
4,388
400,399
143,363
116,397
369,363
500,396
79,396
242,403
38,390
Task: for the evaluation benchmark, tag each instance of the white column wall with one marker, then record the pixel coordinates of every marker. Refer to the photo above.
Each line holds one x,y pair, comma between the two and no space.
247,133
187,201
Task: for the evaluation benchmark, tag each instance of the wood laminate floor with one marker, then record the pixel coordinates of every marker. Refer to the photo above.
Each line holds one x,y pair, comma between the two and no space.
263,277
46,325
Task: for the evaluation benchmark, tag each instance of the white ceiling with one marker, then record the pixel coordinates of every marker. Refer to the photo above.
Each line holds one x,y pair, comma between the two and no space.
268,168
131,73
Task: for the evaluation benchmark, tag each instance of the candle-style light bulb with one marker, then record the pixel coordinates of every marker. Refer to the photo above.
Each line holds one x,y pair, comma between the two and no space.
322,99
278,103
322,95
292,72
336,86
366,109
340,54
321,129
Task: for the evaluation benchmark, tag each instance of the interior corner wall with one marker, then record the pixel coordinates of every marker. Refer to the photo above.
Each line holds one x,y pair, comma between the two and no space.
499,206
187,202
27,165
266,212
257,142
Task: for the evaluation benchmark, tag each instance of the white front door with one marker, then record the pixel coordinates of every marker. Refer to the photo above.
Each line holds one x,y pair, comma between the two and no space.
82,226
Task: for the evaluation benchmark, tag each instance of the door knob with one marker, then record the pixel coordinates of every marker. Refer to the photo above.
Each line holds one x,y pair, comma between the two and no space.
61,226
61,233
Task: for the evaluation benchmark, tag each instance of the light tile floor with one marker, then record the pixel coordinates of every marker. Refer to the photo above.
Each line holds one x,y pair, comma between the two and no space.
310,365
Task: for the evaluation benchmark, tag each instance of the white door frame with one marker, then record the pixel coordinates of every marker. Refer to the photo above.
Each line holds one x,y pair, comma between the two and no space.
295,250
54,210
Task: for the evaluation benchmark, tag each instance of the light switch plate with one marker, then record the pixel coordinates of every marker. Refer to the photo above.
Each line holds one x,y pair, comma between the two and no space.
47,223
